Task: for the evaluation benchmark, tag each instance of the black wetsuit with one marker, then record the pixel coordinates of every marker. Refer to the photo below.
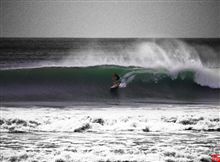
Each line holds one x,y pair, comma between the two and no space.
117,79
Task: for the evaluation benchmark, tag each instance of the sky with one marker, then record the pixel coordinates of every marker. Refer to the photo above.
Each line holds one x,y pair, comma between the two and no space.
110,18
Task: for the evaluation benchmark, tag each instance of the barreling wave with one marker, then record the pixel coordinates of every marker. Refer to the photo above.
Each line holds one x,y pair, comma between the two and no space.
93,83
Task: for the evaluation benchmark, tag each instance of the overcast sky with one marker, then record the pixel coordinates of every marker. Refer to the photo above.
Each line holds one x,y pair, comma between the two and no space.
159,18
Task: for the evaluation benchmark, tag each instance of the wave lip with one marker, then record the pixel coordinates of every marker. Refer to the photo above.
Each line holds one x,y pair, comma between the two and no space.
146,53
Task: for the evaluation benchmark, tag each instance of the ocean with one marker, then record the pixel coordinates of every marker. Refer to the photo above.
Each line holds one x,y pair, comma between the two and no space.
56,102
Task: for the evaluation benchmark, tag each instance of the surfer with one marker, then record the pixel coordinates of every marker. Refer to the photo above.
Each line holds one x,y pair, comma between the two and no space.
116,80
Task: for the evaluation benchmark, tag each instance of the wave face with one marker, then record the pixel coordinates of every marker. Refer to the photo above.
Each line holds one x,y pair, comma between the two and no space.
93,83
161,70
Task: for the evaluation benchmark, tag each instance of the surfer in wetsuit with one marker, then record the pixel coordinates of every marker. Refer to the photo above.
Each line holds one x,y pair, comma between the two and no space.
116,80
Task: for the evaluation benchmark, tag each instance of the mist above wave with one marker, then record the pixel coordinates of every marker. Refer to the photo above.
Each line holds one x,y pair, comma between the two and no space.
170,54
147,53
173,55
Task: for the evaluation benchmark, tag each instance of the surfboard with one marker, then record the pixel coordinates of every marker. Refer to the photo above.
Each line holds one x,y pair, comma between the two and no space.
115,86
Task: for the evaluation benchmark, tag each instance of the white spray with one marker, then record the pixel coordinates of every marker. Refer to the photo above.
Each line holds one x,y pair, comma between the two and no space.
173,55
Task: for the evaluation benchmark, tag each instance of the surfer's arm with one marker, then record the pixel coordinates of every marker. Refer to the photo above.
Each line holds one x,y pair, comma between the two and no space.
117,82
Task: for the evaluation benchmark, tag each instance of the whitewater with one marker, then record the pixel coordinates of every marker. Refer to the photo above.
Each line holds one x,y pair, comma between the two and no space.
149,133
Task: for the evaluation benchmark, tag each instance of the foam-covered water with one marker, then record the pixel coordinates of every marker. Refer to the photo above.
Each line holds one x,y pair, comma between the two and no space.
150,133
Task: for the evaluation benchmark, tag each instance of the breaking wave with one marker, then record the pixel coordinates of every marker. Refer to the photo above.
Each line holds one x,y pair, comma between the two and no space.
93,83
81,70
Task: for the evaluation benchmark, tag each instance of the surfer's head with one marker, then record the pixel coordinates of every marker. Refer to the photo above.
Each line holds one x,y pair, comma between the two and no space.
115,76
